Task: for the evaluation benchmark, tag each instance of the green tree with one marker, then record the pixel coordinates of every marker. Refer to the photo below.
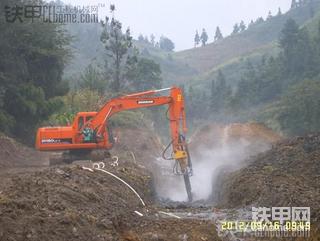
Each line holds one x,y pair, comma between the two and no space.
196,39
251,24
218,35
220,93
270,80
76,101
28,105
242,26
117,44
259,20
300,3
312,8
93,79
140,38
166,44
145,75
247,91
152,39
236,29
298,111
288,42
298,51
32,60
294,4
195,98
204,37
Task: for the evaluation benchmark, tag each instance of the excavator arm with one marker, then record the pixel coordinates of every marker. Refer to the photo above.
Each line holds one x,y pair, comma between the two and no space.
144,100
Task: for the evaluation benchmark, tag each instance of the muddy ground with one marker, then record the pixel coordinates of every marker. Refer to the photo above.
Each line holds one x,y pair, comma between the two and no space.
69,203
38,202
13,154
288,175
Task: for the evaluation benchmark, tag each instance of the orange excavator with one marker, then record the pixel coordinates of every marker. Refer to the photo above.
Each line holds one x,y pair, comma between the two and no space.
90,130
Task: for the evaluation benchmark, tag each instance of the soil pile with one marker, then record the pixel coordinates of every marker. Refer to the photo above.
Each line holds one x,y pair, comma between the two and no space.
220,149
69,203
288,175
215,136
14,154
138,145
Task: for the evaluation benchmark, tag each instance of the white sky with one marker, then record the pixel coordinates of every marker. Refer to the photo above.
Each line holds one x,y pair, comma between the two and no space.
179,19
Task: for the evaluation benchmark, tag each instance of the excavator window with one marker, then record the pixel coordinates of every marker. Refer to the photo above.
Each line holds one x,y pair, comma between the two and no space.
80,122
88,118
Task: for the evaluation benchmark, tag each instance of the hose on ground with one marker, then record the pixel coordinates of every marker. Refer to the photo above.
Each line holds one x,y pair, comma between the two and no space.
99,166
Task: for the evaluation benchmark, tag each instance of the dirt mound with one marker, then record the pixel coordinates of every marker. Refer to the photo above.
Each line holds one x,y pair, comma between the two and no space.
14,154
217,149
288,175
138,145
69,203
215,135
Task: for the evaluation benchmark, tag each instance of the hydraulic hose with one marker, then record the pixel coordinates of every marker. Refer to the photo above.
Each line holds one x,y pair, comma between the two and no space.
165,150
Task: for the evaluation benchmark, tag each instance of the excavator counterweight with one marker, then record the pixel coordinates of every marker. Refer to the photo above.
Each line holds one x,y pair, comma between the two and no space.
90,130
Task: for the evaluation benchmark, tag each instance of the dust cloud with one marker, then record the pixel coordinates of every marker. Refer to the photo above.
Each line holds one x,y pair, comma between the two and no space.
221,150
210,163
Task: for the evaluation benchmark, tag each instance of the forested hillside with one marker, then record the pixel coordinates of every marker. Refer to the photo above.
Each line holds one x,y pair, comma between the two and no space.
253,74
257,38
258,34
50,71
280,90
32,60
202,63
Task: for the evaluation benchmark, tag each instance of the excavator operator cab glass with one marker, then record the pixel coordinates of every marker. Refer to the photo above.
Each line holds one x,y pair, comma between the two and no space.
88,118
80,122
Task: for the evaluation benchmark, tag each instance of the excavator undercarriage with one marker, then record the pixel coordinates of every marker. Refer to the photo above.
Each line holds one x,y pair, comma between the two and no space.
68,157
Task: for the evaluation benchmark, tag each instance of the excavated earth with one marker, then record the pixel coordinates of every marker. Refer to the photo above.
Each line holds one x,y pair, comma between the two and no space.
14,154
215,135
38,202
288,175
69,203
76,203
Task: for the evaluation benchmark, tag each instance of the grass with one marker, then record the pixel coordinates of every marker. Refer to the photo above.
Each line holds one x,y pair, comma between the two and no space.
4,199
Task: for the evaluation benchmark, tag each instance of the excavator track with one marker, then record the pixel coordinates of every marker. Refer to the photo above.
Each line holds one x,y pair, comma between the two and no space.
68,157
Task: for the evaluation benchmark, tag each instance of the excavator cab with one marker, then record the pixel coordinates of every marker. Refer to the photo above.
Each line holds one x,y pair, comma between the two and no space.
89,135
81,124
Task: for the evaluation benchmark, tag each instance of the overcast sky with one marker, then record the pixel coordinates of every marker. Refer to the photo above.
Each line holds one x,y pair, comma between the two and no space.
179,19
